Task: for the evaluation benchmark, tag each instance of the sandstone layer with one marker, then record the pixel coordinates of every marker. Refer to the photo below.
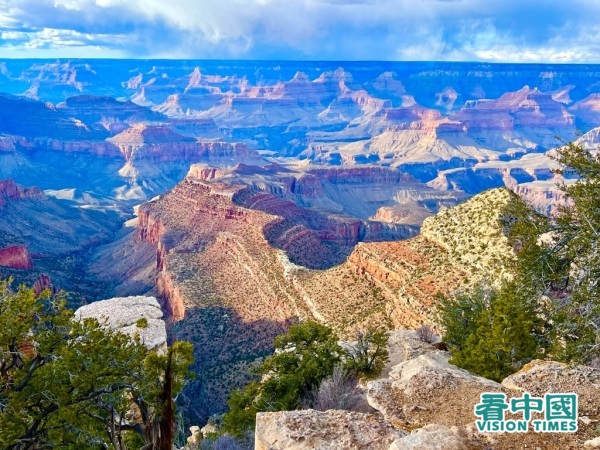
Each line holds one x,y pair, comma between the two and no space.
396,282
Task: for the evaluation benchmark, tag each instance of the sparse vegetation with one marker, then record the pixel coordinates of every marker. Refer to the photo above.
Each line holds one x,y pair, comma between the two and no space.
426,334
339,391
551,307
304,357
369,355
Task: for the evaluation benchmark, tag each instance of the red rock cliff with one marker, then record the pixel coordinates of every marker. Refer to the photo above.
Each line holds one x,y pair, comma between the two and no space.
16,257
9,190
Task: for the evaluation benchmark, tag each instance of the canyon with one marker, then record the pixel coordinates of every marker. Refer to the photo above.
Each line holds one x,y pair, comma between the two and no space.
233,270
246,196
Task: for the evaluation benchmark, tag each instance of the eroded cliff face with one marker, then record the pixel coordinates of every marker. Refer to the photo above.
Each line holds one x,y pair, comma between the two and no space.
16,257
220,280
335,192
396,282
10,191
228,248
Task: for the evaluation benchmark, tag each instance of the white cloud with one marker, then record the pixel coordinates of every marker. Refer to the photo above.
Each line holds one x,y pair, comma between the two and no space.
495,30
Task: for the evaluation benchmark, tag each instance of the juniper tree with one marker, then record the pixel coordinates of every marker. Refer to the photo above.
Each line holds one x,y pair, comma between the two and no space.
576,233
76,385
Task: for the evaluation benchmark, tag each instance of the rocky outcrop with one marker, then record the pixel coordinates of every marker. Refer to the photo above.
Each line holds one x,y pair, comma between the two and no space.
106,115
425,385
220,281
396,282
525,107
16,257
316,430
430,437
162,144
592,443
11,191
434,402
541,376
42,283
139,317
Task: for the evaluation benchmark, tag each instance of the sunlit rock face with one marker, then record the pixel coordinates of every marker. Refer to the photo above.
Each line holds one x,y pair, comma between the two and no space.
139,317
422,402
16,257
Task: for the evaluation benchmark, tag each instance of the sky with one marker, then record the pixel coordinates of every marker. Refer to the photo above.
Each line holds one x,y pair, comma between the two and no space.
566,31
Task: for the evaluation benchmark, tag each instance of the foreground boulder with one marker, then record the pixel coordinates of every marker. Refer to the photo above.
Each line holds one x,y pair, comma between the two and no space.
330,430
136,316
430,437
427,388
421,392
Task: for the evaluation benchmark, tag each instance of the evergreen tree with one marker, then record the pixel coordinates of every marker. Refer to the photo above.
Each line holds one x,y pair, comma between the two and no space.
77,385
494,332
369,355
305,356
552,306
502,337
577,250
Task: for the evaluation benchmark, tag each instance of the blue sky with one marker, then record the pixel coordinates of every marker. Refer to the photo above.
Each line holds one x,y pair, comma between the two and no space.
456,30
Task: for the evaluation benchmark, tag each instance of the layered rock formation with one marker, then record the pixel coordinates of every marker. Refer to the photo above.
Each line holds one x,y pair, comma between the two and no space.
386,195
396,282
106,115
421,120
225,250
10,191
24,117
228,240
219,277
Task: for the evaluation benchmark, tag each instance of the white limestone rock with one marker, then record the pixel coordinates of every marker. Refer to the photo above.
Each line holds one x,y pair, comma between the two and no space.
437,370
592,443
123,313
329,430
430,437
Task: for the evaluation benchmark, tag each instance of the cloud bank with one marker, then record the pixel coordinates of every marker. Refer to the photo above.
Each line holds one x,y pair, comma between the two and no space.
459,30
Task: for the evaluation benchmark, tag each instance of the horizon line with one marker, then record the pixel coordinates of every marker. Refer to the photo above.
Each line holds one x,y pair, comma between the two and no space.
371,61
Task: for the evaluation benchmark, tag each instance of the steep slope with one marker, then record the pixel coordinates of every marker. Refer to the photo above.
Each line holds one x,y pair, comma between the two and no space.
395,283
225,242
219,277
50,236
222,257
